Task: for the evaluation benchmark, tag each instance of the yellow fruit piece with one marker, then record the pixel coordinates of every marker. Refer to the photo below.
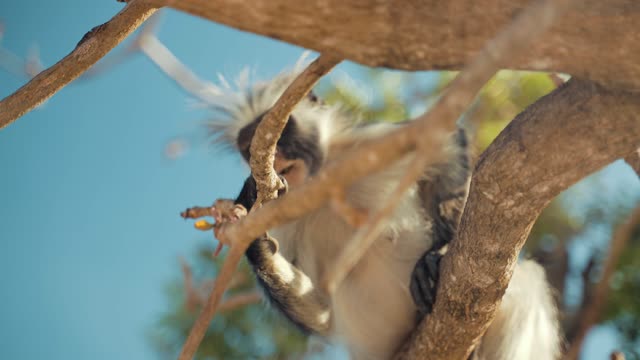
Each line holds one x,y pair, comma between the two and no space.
203,225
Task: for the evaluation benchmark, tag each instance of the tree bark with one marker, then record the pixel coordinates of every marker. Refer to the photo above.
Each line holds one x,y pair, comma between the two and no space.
555,142
599,40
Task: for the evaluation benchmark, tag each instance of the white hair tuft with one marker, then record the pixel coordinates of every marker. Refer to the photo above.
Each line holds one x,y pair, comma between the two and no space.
239,105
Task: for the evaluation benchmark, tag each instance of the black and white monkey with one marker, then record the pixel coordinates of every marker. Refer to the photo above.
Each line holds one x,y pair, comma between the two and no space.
380,301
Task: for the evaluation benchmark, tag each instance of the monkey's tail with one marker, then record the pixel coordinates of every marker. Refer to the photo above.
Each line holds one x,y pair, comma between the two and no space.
526,326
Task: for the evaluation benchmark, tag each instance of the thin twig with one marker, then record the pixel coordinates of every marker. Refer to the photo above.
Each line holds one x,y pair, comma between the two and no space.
238,300
263,145
195,295
353,216
365,236
617,355
91,48
592,310
197,212
201,325
192,296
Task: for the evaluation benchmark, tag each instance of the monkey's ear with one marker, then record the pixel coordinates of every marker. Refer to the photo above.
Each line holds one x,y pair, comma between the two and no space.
311,96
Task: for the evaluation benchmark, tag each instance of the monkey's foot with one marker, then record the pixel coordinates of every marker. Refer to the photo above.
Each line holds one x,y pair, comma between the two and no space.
424,281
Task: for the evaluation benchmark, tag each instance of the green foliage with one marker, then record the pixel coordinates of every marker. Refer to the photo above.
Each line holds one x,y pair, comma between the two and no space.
249,332
623,307
504,97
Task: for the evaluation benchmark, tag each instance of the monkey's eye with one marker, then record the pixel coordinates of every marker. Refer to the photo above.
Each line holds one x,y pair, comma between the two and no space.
287,170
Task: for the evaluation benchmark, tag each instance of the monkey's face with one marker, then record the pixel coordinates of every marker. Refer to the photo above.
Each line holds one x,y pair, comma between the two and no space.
295,171
298,154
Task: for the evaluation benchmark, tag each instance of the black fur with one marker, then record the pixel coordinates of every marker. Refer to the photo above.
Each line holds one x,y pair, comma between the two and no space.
278,293
443,197
260,254
424,281
293,143
248,194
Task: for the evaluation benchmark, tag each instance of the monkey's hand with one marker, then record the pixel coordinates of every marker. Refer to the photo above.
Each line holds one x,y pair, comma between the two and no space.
224,211
424,281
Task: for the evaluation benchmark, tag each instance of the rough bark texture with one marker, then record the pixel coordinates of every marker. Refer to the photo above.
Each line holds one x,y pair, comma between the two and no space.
551,145
92,47
599,40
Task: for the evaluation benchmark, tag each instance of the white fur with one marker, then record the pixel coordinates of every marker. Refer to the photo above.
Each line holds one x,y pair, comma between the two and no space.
526,326
241,105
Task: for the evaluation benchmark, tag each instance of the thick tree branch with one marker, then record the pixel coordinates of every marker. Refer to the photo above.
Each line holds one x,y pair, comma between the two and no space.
555,142
599,40
592,309
92,47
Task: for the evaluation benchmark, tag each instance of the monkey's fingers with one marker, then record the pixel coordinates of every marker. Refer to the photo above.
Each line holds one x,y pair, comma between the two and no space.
217,216
196,212
218,249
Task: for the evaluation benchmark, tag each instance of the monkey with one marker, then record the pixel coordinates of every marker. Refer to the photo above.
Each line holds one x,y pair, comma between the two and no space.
393,286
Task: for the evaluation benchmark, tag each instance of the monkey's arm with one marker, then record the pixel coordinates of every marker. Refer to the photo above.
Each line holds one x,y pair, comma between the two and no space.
287,287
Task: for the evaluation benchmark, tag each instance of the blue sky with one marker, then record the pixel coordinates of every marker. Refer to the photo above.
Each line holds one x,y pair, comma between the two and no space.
89,225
